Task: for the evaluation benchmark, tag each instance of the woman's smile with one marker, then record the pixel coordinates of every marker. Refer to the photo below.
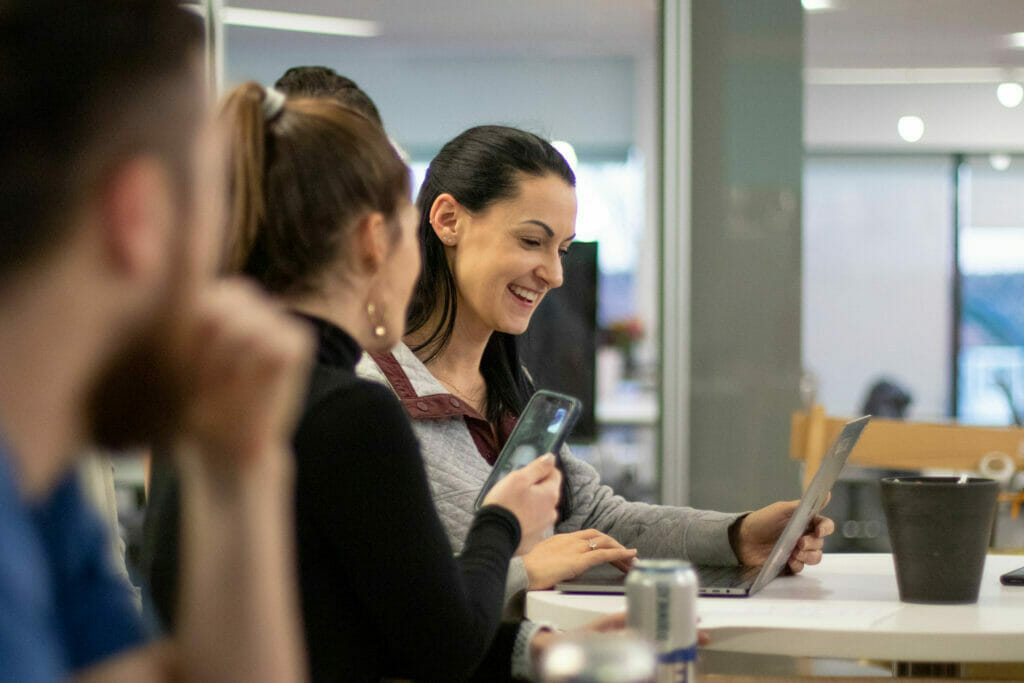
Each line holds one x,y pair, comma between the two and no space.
526,296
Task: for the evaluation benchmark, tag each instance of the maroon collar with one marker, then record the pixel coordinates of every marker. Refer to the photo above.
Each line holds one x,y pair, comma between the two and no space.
444,405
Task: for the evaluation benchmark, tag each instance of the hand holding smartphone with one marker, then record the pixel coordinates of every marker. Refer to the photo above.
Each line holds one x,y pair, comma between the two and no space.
546,421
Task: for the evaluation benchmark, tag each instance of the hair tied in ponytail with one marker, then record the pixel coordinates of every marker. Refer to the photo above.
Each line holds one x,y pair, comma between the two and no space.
272,105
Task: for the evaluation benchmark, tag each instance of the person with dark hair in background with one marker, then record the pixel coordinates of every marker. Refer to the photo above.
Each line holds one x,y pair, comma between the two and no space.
320,81
497,213
113,331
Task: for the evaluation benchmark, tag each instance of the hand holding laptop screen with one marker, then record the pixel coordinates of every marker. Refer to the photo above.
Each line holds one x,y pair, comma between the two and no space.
767,540
761,529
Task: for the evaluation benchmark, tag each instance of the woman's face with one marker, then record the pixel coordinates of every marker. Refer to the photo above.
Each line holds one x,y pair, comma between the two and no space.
398,277
506,257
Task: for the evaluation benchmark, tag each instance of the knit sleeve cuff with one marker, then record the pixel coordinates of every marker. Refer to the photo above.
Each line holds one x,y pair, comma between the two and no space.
507,520
522,662
707,540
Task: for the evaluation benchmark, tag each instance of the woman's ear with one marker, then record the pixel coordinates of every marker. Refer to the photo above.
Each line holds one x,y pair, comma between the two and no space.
444,217
371,242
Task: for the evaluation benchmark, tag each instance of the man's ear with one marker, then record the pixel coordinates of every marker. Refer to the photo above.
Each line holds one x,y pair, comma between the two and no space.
136,214
444,217
371,241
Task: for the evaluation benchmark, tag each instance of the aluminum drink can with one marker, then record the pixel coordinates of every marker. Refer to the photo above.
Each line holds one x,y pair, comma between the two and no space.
661,605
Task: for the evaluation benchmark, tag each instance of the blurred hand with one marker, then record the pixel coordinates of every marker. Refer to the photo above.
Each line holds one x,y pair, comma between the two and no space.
542,640
760,529
566,556
248,366
531,494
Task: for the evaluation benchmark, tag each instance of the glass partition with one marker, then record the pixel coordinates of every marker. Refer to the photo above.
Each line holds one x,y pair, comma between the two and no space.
990,359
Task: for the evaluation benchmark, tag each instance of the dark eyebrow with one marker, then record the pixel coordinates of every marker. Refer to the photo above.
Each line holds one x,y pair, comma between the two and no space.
548,230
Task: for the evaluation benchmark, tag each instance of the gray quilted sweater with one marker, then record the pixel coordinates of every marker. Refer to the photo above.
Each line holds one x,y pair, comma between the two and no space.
456,472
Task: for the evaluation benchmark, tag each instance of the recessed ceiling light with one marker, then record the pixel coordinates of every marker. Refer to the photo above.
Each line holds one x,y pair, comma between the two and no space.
1015,40
305,23
1010,94
818,5
910,128
999,162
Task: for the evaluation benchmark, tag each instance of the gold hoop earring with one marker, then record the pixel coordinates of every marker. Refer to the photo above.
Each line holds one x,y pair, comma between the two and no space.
376,321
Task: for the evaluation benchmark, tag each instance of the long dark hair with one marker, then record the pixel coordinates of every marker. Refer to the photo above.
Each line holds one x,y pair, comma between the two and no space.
481,166
299,181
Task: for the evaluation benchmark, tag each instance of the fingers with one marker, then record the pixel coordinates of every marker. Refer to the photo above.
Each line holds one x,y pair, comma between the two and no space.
809,550
596,557
809,542
605,548
540,467
823,526
703,638
247,365
596,539
624,565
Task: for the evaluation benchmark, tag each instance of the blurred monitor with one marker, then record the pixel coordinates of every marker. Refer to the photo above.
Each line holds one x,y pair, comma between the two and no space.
560,347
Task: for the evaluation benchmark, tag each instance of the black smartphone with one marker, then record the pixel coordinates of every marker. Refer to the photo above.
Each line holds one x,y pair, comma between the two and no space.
542,428
1014,578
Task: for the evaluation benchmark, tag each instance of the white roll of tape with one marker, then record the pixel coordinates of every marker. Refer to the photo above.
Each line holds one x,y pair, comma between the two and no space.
997,465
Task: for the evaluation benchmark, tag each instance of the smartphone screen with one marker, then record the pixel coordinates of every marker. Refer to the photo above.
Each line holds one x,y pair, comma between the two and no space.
542,428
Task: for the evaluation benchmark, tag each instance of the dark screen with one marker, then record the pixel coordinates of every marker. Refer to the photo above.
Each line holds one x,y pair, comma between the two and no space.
560,347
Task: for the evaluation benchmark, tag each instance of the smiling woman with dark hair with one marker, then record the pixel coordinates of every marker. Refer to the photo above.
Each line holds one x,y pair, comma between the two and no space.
497,213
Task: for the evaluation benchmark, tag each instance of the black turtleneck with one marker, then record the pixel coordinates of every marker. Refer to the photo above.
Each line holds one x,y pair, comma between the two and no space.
382,593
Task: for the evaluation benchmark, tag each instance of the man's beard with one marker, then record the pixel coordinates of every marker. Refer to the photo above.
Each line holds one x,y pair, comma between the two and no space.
139,398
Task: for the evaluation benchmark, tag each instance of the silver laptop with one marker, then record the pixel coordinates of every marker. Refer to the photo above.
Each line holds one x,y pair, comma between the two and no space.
742,581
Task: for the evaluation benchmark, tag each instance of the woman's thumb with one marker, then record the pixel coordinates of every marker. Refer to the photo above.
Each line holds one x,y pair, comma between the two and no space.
541,467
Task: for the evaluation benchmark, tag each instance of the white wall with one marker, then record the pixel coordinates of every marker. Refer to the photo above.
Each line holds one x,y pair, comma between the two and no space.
427,98
878,241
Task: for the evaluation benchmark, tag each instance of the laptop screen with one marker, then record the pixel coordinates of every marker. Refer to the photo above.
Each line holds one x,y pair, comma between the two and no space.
813,500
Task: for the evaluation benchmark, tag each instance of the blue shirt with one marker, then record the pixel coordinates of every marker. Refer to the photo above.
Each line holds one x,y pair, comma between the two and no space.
62,607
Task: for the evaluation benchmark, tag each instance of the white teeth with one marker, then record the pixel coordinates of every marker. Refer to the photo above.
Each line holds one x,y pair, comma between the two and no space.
525,293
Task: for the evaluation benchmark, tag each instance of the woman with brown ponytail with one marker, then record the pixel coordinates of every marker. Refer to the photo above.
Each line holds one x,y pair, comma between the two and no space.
321,217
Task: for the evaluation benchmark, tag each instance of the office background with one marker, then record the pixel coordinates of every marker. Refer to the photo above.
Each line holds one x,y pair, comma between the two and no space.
760,213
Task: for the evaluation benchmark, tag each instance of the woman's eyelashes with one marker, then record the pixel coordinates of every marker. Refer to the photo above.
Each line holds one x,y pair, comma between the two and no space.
541,242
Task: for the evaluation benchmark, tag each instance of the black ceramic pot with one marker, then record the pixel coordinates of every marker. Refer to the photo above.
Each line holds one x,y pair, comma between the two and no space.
939,528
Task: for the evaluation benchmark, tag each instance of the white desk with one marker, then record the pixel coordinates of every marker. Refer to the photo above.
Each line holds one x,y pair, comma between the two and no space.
847,607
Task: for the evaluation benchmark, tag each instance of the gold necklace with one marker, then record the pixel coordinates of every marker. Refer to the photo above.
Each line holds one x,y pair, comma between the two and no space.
477,401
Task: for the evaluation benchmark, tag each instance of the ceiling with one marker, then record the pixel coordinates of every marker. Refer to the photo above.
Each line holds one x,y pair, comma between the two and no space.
544,27
913,34
857,34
